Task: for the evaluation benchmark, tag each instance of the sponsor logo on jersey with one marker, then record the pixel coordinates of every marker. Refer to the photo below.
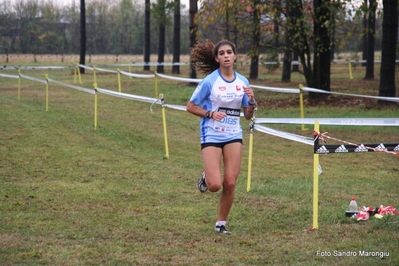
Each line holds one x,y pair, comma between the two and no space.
222,88
230,111
238,88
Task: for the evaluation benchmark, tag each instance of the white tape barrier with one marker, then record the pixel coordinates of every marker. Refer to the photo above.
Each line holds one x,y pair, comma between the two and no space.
288,90
274,89
141,99
149,64
121,72
130,96
86,67
9,76
285,135
34,79
32,67
332,121
72,86
363,61
137,75
267,130
107,70
391,99
59,83
177,107
179,79
132,64
283,90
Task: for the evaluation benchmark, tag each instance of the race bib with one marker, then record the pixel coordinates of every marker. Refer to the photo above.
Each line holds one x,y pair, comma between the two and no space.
230,123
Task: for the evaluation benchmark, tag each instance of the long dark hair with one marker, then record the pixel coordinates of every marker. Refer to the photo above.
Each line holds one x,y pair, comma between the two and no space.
203,55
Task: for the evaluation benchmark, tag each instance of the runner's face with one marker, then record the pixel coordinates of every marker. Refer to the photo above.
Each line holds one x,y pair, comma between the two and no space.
226,56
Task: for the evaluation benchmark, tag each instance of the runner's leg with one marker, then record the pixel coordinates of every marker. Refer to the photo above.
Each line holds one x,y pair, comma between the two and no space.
211,158
232,154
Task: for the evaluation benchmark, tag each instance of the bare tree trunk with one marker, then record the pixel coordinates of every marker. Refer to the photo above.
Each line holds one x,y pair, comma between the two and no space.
277,7
322,50
227,18
287,59
176,38
333,25
295,68
193,31
147,35
364,37
388,53
82,35
370,40
254,69
286,75
161,48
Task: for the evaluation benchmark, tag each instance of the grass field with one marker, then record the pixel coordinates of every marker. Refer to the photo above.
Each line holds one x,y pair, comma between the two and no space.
72,195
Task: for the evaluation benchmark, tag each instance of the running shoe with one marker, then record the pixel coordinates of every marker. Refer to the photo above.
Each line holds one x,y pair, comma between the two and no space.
202,184
222,229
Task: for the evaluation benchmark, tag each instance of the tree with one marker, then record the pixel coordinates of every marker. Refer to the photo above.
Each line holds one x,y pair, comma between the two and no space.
370,40
295,67
124,27
276,34
336,9
147,35
98,31
193,10
364,8
299,36
82,35
176,38
27,14
254,52
160,15
388,52
161,10
322,48
291,10
7,29
240,20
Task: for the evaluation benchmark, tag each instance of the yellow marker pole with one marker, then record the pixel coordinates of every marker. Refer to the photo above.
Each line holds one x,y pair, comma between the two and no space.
350,70
80,77
251,137
74,74
130,70
156,84
301,111
315,183
95,106
46,92
165,133
94,75
19,84
119,81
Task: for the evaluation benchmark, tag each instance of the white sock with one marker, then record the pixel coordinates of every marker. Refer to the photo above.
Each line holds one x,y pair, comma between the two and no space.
220,223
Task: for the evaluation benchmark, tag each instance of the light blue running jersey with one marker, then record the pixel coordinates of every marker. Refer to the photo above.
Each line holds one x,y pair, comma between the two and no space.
216,94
